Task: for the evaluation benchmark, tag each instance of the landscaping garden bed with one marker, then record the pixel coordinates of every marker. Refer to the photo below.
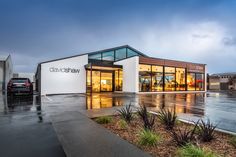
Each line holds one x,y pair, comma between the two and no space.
165,146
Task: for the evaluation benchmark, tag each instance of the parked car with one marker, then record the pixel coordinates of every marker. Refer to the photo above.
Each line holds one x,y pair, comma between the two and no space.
19,86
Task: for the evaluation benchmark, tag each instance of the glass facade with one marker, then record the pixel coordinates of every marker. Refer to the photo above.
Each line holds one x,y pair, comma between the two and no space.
191,81
199,82
154,78
96,81
169,79
96,56
131,53
180,79
157,78
108,56
145,78
120,54
118,80
104,80
114,55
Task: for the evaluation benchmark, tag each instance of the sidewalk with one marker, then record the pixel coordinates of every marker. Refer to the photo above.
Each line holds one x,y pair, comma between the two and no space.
82,137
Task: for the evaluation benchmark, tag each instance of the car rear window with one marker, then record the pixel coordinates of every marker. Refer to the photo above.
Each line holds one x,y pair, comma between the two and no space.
19,80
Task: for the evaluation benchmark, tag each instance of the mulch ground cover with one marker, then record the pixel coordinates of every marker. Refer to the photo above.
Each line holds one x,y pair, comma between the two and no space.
167,147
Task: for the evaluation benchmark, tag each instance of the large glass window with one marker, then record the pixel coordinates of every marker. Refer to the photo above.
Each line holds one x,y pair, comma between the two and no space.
169,79
89,84
96,81
95,56
180,79
157,82
131,53
106,81
199,81
108,56
157,68
120,54
144,78
157,78
191,81
118,80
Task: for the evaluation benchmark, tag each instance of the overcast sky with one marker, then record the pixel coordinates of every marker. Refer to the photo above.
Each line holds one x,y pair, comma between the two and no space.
201,31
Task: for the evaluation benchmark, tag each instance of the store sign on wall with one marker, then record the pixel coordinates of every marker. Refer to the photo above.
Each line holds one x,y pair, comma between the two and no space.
64,70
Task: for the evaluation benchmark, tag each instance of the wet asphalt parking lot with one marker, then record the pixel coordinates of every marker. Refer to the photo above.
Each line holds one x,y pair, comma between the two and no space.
26,129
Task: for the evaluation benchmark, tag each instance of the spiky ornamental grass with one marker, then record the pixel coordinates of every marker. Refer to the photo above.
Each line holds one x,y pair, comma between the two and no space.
184,136
148,138
126,113
168,118
206,130
193,151
148,119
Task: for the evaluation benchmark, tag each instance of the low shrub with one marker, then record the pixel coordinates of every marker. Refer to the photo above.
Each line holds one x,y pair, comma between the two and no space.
122,124
168,118
103,120
233,141
206,130
148,119
126,113
148,138
193,151
184,136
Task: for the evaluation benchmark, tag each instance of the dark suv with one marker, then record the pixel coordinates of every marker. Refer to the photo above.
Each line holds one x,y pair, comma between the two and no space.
19,86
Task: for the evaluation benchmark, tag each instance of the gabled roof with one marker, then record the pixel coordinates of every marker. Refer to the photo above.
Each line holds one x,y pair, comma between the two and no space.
224,74
95,52
4,57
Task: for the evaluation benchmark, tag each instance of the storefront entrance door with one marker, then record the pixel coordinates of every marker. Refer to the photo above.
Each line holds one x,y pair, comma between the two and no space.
106,81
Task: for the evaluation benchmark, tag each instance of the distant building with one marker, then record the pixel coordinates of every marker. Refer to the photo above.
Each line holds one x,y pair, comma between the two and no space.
6,71
222,81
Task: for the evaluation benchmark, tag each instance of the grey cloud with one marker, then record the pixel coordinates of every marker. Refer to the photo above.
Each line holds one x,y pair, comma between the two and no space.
229,41
201,36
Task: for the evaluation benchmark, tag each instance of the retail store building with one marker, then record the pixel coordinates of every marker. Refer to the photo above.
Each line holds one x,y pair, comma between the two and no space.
123,69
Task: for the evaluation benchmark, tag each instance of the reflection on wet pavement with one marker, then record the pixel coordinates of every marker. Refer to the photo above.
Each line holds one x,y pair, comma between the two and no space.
106,100
218,107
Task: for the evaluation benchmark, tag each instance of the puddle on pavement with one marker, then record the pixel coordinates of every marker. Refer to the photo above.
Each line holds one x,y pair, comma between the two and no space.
180,103
218,107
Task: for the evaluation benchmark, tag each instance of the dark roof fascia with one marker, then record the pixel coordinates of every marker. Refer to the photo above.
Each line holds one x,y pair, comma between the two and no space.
177,61
103,63
111,66
62,58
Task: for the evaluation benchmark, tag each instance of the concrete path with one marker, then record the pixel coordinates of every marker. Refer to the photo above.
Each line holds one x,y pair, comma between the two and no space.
82,137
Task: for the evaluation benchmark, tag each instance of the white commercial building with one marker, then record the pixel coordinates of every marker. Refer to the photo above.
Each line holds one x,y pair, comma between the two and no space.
118,69
6,71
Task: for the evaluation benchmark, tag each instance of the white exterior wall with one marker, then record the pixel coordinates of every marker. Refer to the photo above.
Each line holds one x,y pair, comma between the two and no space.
64,82
8,70
6,73
1,75
130,74
205,79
